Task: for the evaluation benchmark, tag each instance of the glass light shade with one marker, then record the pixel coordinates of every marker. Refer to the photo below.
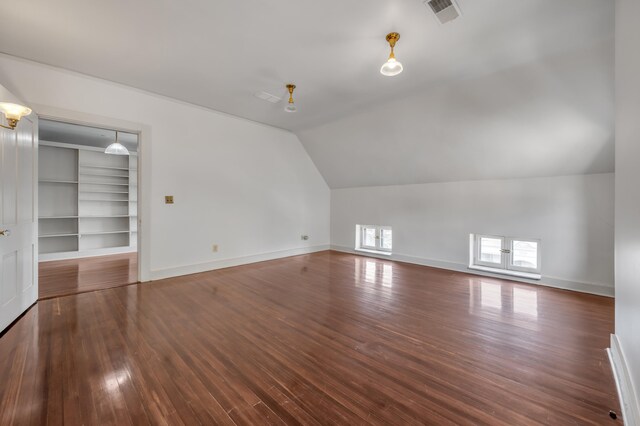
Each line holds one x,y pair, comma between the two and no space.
290,107
116,148
14,111
391,67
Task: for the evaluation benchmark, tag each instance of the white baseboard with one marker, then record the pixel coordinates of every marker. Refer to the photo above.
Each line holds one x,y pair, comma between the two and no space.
175,271
49,257
629,399
584,287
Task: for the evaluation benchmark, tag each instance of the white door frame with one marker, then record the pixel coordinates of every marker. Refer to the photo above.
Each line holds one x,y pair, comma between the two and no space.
144,168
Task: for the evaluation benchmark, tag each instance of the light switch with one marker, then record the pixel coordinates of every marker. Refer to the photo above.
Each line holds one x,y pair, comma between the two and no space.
168,199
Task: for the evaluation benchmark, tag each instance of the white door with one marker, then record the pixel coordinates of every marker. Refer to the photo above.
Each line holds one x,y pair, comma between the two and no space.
18,219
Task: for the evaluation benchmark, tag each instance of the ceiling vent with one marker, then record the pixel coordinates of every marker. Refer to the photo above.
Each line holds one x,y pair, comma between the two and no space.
445,10
267,97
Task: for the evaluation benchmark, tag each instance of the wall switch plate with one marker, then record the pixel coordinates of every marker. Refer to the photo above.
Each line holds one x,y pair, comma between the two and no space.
214,248
168,199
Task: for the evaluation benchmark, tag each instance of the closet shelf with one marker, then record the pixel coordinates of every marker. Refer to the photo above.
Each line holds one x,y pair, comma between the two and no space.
99,175
102,183
103,233
57,235
57,181
108,201
103,216
103,192
92,166
57,217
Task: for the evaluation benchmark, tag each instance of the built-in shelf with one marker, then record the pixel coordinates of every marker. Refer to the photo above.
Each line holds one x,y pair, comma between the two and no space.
57,217
107,201
104,232
95,203
57,181
104,216
99,175
103,167
86,182
103,192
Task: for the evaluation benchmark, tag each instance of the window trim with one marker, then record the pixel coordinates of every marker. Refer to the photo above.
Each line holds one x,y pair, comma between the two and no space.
512,267
476,252
360,238
505,266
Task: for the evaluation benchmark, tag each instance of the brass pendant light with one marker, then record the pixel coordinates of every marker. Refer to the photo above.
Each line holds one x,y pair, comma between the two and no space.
290,107
392,67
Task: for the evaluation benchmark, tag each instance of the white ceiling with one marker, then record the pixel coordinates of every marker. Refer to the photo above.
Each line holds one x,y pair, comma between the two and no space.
218,53
551,117
479,97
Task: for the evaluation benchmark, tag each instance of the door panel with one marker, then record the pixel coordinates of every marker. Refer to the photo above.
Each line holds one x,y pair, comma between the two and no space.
9,177
18,217
28,261
9,290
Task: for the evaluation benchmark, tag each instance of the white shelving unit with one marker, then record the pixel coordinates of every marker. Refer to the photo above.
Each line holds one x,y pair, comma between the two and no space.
87,201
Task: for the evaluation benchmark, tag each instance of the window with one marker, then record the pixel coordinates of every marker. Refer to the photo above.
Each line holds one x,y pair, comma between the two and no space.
514,256
374,238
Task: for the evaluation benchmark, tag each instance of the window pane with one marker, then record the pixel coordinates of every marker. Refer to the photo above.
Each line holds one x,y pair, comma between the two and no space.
490,250
525,254
369,237
386,239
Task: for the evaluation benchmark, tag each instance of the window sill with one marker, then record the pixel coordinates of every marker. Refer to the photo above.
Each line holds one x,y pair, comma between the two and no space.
384,253
528,275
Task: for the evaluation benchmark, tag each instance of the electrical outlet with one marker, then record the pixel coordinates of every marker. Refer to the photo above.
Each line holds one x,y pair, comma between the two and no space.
168,199
304,237
214,248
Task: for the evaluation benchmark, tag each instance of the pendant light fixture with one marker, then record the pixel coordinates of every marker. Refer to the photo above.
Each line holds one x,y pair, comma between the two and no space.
392,66
116,148
290,107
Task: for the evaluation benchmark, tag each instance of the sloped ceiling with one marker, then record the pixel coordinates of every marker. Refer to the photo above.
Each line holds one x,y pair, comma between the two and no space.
551,117
476,96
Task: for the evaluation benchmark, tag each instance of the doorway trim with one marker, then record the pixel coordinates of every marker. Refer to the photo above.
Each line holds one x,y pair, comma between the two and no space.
144,168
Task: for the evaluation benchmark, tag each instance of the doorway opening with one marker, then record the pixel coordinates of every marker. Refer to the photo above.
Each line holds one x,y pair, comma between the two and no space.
87,208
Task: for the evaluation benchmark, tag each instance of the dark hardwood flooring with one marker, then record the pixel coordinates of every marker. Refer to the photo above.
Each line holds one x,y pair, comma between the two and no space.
326,338
73,276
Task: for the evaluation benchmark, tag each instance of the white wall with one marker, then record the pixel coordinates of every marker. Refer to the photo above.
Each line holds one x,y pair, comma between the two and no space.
572,215
250,188
627,235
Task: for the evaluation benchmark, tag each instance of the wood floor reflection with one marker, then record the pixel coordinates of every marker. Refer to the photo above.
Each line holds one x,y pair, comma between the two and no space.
325,338
73,276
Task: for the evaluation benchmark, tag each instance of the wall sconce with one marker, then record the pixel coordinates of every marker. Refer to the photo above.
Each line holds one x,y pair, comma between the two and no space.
13,113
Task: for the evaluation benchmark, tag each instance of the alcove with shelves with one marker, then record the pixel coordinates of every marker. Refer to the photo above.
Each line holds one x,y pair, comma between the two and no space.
87,201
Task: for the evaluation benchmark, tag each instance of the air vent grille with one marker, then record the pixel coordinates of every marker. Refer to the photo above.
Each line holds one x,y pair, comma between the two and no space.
267,97
439,5
444,10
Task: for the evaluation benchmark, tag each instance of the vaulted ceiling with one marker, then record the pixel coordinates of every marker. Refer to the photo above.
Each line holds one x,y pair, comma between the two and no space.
510,89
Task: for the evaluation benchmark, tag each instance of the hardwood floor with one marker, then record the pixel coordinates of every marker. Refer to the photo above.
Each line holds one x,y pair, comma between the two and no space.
73,276
326,338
